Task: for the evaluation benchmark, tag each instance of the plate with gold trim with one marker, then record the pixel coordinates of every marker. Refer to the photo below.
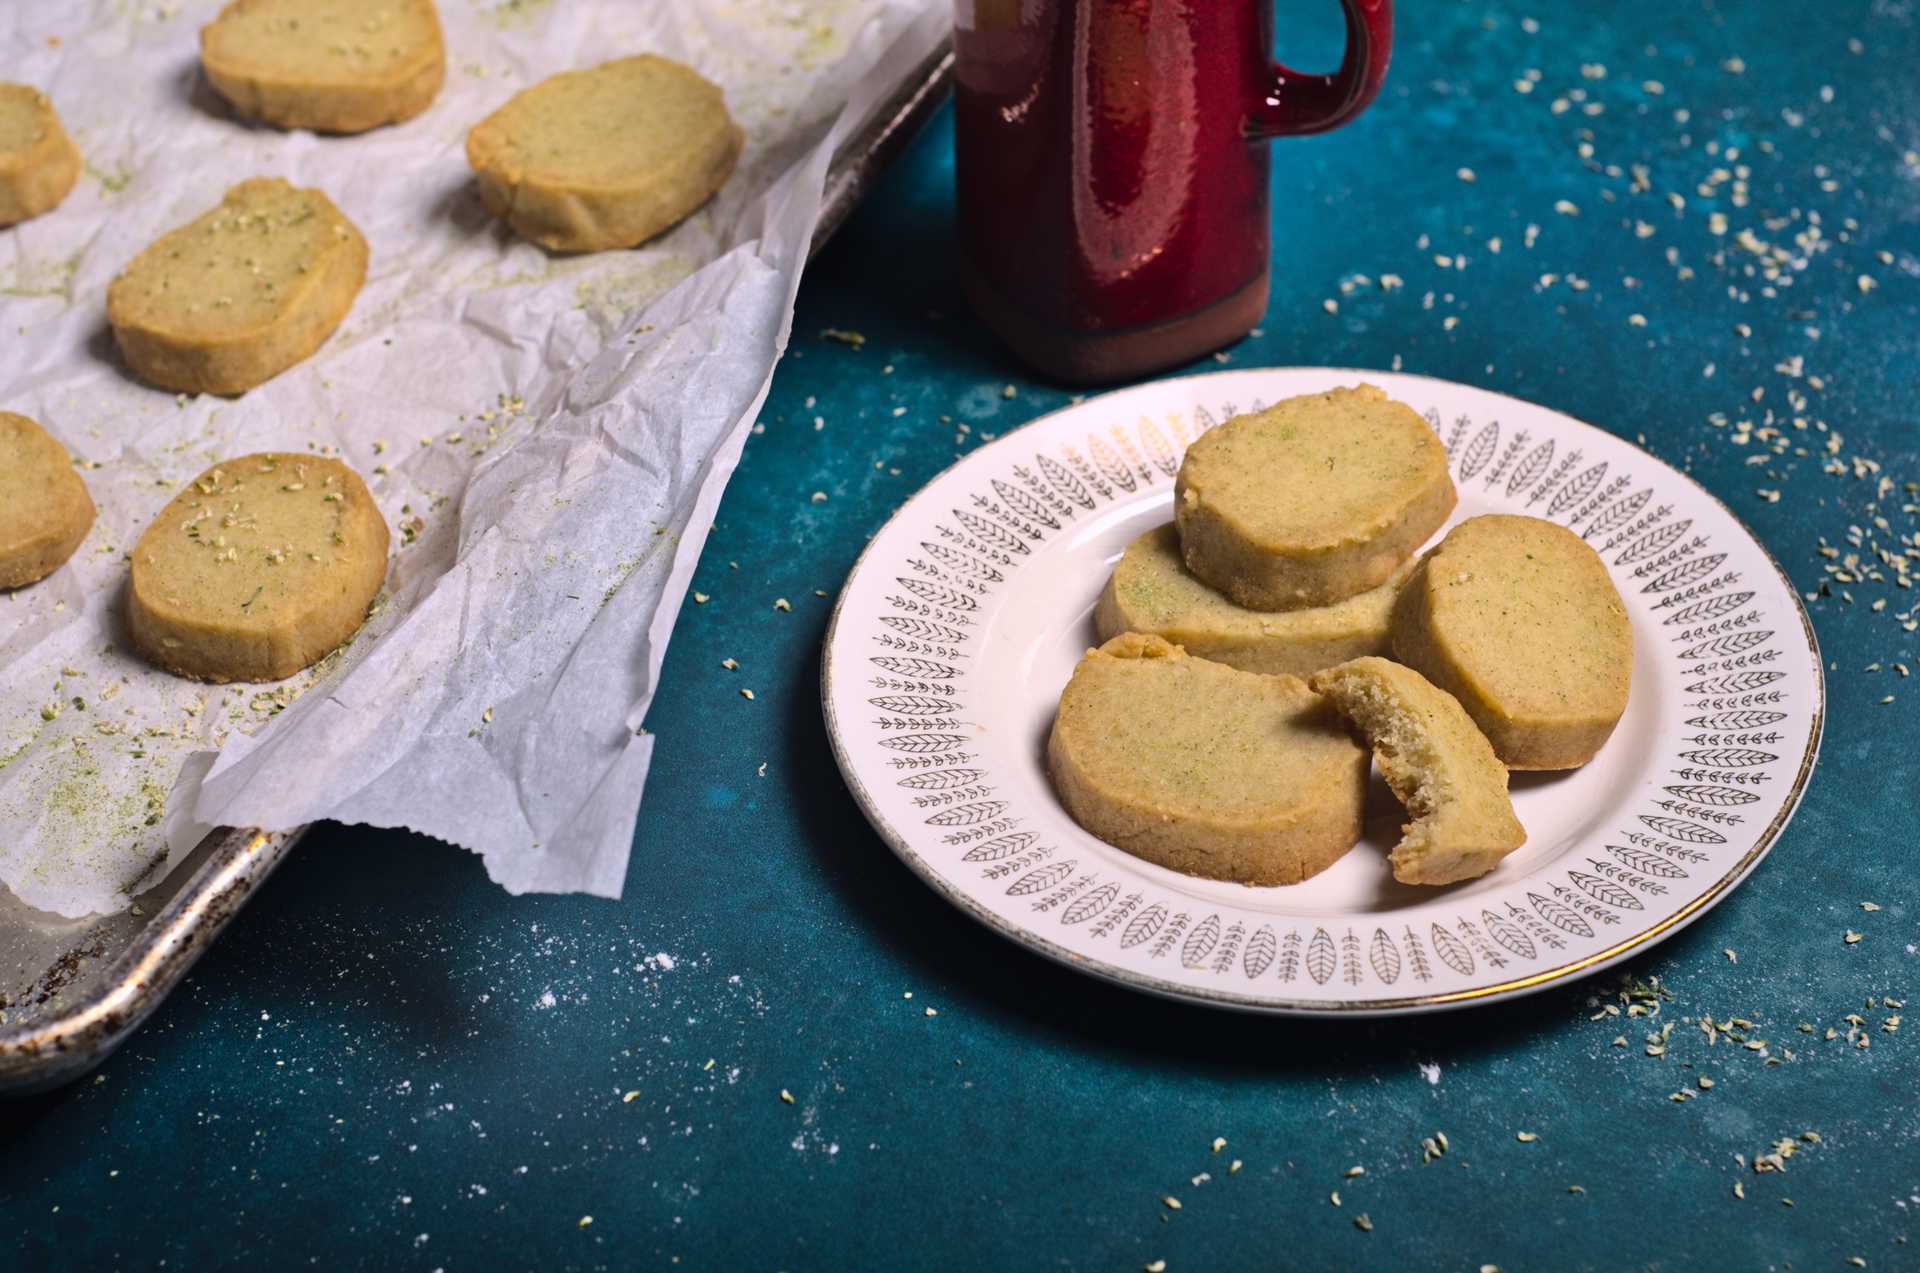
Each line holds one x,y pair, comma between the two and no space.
964,618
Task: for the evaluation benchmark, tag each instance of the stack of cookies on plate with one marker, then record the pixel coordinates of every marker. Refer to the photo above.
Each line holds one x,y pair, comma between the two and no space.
1282,620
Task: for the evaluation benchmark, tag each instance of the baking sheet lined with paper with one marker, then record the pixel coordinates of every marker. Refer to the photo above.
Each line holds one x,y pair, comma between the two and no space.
547,437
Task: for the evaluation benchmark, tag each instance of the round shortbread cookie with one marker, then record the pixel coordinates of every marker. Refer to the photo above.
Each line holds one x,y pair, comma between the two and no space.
607,157
261,566
1203,768
1311,501
1152,591
335,66
1438,763
1518,619
45,510
235,297
38,162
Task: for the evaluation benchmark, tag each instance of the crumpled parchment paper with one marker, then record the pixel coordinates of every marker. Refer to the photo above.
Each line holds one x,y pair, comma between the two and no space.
548,437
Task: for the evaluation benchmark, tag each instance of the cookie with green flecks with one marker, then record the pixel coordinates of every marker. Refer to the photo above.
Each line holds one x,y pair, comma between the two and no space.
1311,501
238,295
261,566
38,162
1439,764
606,157
1518,619
1152,591
45,510
1203,768
335,66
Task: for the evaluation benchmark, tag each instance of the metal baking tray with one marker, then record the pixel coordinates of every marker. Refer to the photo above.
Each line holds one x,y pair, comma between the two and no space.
71,991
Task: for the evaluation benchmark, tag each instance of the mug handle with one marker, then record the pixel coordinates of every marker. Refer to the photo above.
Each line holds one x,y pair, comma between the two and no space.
1297,104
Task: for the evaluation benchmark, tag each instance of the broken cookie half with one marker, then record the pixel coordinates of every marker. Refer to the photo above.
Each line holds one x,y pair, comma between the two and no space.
1439,765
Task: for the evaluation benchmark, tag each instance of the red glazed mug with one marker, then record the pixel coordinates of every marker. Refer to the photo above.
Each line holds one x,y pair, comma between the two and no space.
1112,184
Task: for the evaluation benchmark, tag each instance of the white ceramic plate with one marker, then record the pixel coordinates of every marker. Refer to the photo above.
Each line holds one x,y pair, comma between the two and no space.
964,618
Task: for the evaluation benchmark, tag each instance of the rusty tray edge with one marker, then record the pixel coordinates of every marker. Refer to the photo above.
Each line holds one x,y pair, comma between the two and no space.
49,1053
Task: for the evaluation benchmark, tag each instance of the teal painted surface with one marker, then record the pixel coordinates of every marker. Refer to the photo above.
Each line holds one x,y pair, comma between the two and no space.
387,1063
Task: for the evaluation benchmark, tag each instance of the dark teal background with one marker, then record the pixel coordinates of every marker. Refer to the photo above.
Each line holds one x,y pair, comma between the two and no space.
389,1063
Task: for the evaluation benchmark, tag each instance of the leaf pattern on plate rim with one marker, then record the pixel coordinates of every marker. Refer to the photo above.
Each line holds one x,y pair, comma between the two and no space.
1616,515
1385,957
1041,877
1680,829
1723,637
1702,793
1144,925
1200,942
1605,891
1261,948
1290,956
1531,468
1416,957
1089,904
1479,451
1320,957
1708,610
1508,934
1578,489
1560,916
1452,951
1648,861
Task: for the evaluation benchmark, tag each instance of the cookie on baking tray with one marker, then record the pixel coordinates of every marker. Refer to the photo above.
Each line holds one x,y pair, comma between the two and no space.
45,510
335,66
606,157
261,566
235,297
38,162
